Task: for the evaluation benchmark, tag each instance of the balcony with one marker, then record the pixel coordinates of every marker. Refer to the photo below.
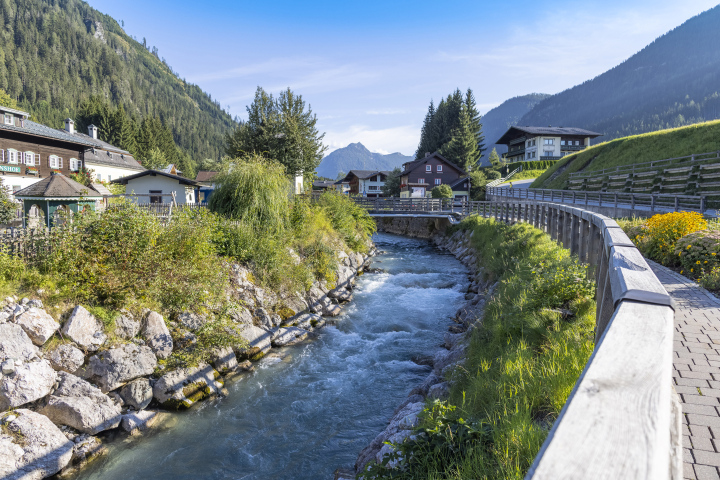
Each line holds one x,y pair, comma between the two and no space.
572,148
518,140
549,158
515,152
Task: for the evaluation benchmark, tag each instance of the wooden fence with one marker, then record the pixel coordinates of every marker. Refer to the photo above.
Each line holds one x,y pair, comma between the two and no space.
648,166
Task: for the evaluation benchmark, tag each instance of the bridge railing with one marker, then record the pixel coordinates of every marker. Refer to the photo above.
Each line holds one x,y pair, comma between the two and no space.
657,202
622,419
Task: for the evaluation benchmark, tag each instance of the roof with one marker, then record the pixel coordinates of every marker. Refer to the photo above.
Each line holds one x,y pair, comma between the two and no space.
57,185
323,184
182,180
410,166
101,189
557,131
13,110
205,175
363,174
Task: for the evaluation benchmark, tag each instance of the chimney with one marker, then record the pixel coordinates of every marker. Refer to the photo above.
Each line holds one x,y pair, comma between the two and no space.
427,154
69,126
92,131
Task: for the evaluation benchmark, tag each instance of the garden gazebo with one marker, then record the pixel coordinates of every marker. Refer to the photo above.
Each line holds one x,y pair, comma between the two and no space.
56,192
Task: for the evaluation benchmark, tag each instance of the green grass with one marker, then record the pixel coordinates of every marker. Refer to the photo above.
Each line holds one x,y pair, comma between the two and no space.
522,363
525,175
676,142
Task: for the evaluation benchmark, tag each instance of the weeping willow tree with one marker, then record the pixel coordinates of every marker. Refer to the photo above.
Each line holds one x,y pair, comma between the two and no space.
255,191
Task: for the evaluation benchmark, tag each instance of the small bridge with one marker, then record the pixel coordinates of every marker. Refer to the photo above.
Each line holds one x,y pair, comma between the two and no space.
623,419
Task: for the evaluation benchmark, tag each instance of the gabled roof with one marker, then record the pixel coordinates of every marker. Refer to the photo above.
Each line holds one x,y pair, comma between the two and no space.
14,111
57,185
363,174
205,175
182,180
101,189
410,166
556,131
323,184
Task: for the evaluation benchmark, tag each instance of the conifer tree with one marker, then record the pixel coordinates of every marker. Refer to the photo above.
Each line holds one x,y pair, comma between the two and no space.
476,120
462,147
494,158
428,143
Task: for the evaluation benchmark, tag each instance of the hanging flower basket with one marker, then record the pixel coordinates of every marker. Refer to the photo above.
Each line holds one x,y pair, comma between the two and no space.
31,171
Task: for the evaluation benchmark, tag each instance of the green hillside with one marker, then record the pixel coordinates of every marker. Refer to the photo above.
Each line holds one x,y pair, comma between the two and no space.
676,142
54,55
672,82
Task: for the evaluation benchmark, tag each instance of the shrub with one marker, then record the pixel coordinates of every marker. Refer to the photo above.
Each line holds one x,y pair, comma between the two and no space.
698,252
711,279
663,231
441,191
351,221
492,174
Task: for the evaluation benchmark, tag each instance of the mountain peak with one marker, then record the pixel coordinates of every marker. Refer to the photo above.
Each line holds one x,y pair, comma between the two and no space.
356,156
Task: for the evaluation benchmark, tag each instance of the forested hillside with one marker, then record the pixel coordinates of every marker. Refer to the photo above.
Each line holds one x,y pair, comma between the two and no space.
674,81
357,157
506,115
54,55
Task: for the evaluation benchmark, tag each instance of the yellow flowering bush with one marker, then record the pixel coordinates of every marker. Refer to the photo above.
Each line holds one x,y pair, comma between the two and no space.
662,232
699,252
711,279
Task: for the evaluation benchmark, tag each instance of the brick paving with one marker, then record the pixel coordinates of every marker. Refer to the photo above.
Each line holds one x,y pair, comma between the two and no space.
696,373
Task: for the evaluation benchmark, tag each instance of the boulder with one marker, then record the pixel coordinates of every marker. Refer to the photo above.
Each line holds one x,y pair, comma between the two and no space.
82,406
447,358
184,387
32,447
192,321
306,321
345,276
38,325
440,391
29,382
242,315
66,357
223,359
332,310
35,303
85,449
317,299
125,325
258,339
137,394
289,336
157,335
15,343
135,421
84,329
341,294
113,368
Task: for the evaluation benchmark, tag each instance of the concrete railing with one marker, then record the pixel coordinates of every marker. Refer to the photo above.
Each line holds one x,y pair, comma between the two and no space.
504,179
622,419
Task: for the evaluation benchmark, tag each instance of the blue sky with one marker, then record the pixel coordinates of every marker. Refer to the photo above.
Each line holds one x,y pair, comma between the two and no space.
369,69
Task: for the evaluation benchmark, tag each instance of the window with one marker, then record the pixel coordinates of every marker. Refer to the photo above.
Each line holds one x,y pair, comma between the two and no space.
529,143
533,143
421,180
99,177
562,142
109,177
428,168
549,141
439,169
75,164
438,181
373,187
577,142
12,156
157,199
9,119
548,153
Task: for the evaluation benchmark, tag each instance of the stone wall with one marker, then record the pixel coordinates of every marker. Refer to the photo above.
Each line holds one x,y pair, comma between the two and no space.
417,227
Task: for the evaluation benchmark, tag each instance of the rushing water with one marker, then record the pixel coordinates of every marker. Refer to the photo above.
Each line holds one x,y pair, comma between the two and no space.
313,407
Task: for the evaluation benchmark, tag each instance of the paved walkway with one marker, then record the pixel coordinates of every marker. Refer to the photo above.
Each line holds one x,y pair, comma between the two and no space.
696,371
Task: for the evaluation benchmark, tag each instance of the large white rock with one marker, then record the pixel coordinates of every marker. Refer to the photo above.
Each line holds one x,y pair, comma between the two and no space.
125,325
138,420
184,387
157,335
289,336
224,359
113,368
306,321
345,276
258,339
84,329
15,343
192,321
32,447
38,325
29,382
66,357
78,404
137,394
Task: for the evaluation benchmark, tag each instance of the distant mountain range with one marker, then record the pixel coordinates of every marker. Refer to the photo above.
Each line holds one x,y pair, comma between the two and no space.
674,81
506,115
356,157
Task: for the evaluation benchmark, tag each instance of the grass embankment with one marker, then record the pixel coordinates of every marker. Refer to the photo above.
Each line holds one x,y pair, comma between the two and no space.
522,363
671,143
525,175
127,258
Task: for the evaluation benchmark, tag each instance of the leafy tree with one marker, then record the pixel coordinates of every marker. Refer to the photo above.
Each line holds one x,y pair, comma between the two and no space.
478,180
442,191
280,129
494,158
392,184
7,206
6,100
340,175
155,160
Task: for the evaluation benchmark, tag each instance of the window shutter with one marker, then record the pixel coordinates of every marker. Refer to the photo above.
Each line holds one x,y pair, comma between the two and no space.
2,153
60,162
37,159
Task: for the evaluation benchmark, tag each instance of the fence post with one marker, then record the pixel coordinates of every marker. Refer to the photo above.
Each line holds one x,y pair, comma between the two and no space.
652,203
677,200
702,204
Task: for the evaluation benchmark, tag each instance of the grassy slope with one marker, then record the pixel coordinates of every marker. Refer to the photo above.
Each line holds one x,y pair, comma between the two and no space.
676,142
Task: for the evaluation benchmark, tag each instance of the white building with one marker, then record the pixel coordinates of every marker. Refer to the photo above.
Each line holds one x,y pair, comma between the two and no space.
154,186
367,183
544,143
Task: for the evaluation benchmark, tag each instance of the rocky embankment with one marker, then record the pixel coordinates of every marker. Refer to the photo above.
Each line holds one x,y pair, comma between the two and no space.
443,362
65,380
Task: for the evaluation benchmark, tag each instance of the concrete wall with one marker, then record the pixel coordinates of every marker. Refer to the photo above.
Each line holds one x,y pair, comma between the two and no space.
106,173
412,227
